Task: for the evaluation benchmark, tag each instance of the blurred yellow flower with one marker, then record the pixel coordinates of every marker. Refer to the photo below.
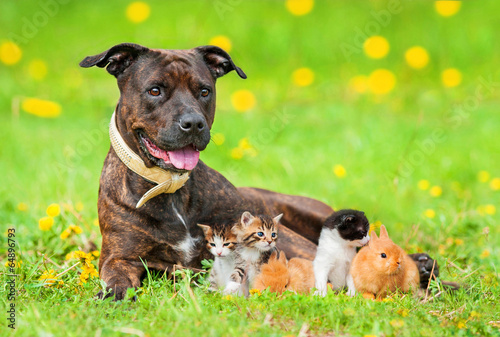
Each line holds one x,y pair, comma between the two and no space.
441,249
486,253
417,57
483,176
370,336
376,47
495,184
37,69
461,324
48,277
76,229
374,226
10,53
23,207
397,323
381,81
459,242
138,11
41,108
447,8
96,253
430,213
359,83
490,209
424,184
244,144
219,138
65,234
474,314
303,77
45,223
449,241
299,7
243,100
227,297
436,191
255,291
96,222
79,206
237,153
339,171
403,312
53,210
451,77
221,41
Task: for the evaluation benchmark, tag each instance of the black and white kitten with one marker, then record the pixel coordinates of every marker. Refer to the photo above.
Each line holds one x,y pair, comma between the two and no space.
342,233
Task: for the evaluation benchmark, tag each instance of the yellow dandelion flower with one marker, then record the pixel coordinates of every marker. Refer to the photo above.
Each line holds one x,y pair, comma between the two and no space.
244,144
221,41
381,81
76,229
303,77
483,176
96,222
138,11
442,249
397,323
430,213
237,153
339,171
370,336
451,77
417,57
37,69
41,108
449,241
53,210
447,8
376,47
48,277
359,84
375,225
424,184
490,209
436,191
219,139
299,7
45,223
10,53
461,324
95,253
227,297
65,234
23,207
474,314
388,299
403,312
79,206
459,242
495,184
243,100
486,253
255,291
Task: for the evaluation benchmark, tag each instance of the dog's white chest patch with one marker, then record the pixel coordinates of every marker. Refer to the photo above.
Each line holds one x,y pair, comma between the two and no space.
186,248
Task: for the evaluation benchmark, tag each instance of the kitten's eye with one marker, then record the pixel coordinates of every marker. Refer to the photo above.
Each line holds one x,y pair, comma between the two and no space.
273,235
383,255
226,244
154,91
212,244
260,234
205,92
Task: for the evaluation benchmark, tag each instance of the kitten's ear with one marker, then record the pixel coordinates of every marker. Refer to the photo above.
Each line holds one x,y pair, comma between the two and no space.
246,218
205,228
277,218
383,232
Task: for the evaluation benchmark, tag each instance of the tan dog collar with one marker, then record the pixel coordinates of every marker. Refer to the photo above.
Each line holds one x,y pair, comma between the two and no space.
168,182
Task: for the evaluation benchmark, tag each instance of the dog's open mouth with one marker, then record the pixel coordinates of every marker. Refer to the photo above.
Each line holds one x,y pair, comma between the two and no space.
184,159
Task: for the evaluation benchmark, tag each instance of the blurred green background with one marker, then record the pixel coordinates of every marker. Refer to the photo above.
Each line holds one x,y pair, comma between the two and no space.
390,107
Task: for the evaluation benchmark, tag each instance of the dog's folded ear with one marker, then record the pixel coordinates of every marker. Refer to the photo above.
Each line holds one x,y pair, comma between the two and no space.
118,57
218,61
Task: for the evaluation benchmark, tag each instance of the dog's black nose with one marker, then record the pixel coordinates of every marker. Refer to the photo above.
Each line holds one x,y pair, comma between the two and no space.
192,123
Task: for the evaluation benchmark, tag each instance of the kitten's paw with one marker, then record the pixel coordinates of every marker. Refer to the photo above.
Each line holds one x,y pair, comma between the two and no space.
320,292
351,292
232,288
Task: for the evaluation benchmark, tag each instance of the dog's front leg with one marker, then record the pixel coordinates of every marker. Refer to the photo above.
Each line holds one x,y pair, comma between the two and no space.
119,275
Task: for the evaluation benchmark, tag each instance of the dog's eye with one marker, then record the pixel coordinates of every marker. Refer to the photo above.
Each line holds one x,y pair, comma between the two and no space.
383,255
154,91
205,92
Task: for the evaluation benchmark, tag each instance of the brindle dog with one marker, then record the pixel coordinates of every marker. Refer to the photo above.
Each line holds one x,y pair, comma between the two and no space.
167,103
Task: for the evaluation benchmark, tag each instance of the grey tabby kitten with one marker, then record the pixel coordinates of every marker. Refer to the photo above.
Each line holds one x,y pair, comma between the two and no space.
221,242
256,237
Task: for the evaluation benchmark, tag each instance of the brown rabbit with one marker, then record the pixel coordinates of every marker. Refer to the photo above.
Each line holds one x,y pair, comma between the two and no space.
280,275
383,267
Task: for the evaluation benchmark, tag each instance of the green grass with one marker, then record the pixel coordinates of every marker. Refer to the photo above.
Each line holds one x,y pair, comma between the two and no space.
44,161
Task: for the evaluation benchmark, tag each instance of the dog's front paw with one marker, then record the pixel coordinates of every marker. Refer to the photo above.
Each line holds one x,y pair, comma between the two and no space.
232,288
425,266
117,294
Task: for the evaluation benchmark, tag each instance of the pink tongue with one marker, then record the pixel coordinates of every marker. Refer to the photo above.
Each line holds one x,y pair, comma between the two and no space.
185,158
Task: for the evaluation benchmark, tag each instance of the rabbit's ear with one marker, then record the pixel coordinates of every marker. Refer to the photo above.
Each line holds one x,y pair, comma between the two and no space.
274,256
282,258
373,237
383,232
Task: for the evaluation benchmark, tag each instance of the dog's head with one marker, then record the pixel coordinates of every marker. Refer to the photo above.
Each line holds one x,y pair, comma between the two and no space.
167,99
